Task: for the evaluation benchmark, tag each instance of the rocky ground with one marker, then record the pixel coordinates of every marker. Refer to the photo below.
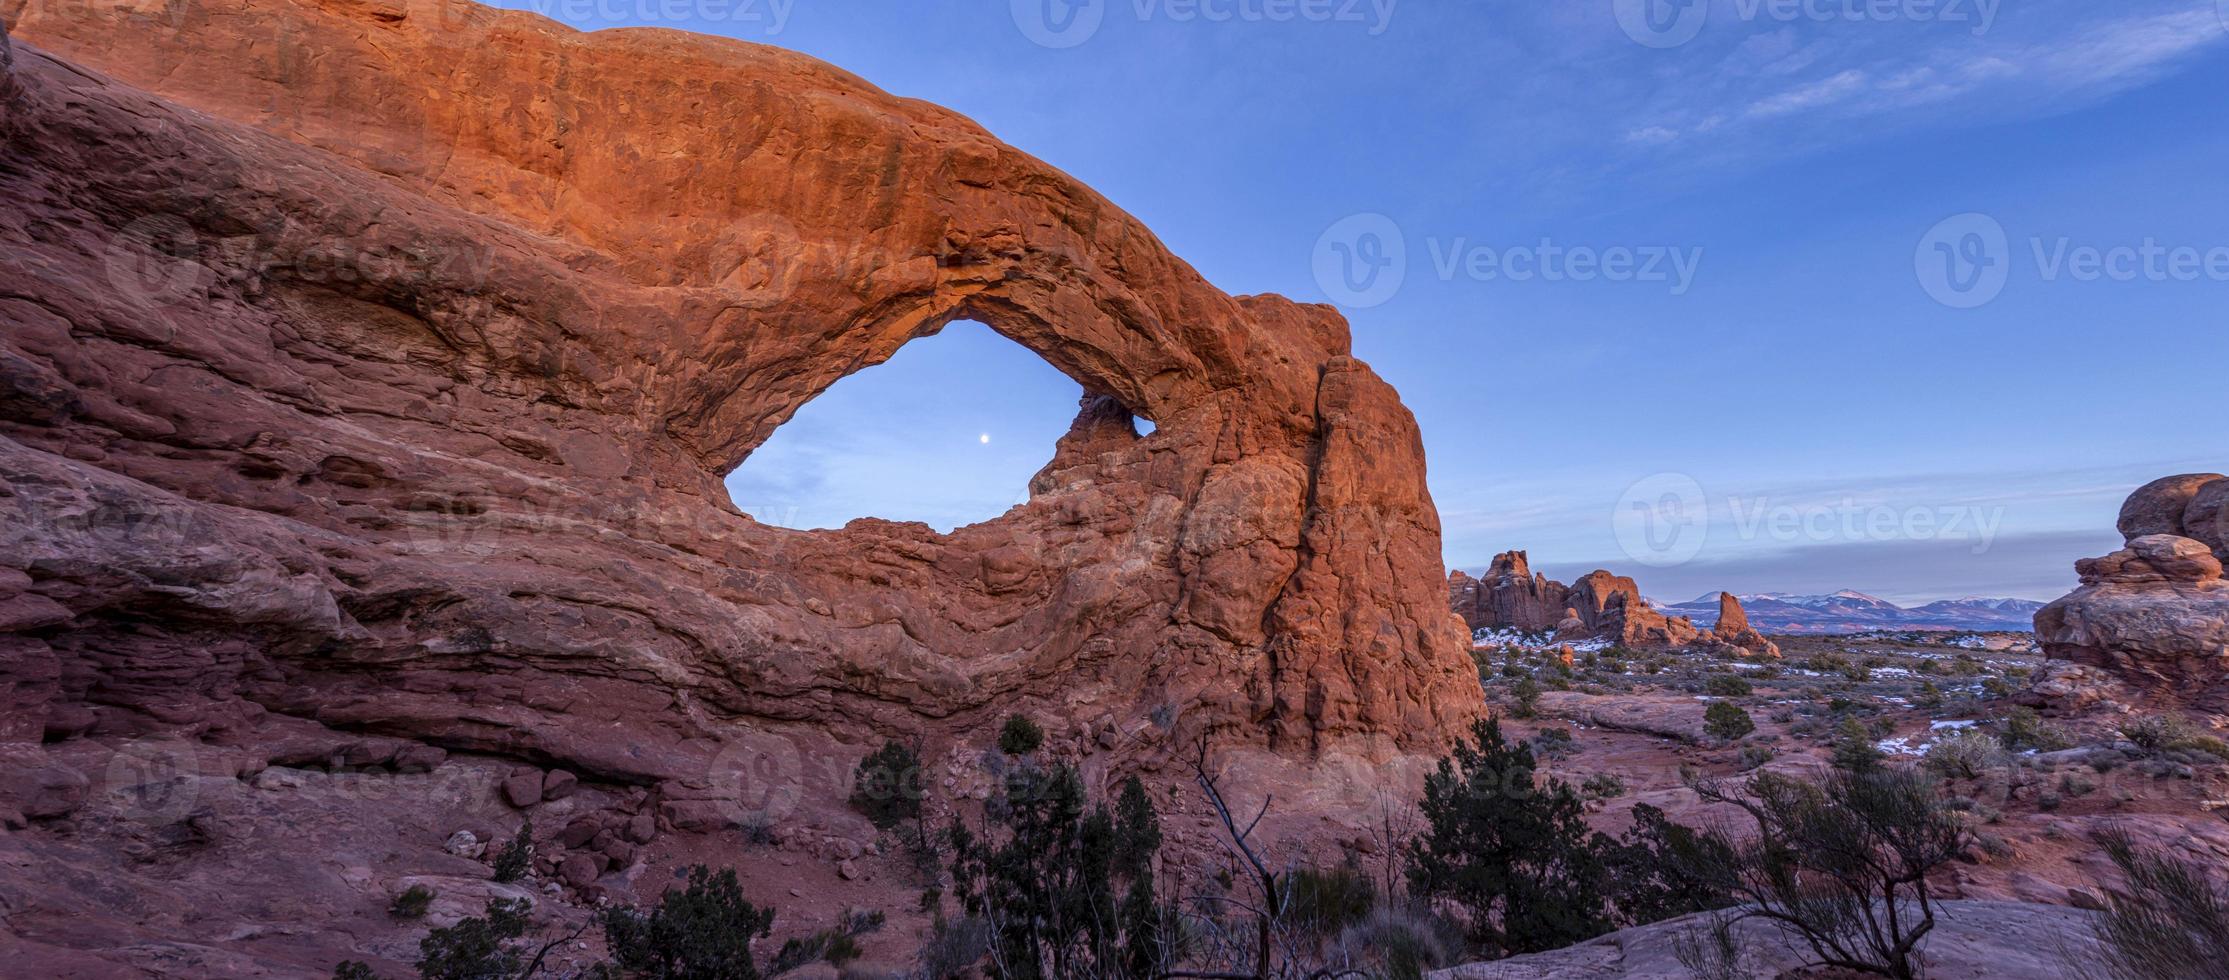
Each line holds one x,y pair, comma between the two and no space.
1639,719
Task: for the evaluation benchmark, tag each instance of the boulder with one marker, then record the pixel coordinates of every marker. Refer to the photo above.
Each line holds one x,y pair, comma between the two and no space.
2153,618
2158,507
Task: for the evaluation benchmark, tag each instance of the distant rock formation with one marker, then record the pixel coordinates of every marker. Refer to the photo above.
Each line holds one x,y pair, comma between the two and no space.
1733,629
2153,616
1600,605
1511,595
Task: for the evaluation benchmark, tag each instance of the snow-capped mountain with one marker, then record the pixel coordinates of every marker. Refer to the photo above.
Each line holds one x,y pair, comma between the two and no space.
1850,612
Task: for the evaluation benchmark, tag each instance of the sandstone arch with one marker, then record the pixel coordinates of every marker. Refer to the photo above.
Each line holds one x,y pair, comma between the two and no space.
458,481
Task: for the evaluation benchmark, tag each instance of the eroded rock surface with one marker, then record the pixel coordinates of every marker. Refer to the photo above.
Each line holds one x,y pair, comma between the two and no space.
367,376
2153,616
1600,605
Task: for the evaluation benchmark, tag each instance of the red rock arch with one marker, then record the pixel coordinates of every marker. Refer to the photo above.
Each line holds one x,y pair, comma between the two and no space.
468,492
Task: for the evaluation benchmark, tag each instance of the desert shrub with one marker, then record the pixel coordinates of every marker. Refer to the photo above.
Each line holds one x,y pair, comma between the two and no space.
1753,756
1526,694
1510,848
477,947
2202,745
835,945
412,903
1829,859
887,787
1067,887
1656,870
1727,686
2153,733
1552,742
354,970
1709,951
2073,785
757,827
1854,748
517,857
953,948
1727,722
1965,754
1327,901
2022,728
1602,786
2171,922
1020,736
701,932
1929,696
1399,944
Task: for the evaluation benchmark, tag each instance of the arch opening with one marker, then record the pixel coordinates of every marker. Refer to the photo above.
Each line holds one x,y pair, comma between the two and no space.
947,432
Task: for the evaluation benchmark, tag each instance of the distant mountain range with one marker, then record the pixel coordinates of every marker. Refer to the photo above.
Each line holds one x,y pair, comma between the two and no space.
1852,612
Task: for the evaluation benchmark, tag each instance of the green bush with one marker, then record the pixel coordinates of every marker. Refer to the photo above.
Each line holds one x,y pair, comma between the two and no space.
1727,722
354,970
2170,922
1327,901
1513,851
1965,754
1825,856
887,786
517,857
1753,756
2022,728
1602,786
1066,886
478,947
412,903
2153,733
1020,736
1727,686
1854,748
700,932
1527,696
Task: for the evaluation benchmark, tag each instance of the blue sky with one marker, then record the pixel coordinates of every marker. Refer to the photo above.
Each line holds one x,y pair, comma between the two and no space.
1932,286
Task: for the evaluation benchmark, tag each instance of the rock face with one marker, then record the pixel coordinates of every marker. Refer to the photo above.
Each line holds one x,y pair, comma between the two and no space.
1511,596
1733,630
1971,940
381,368
1598,606
2153,616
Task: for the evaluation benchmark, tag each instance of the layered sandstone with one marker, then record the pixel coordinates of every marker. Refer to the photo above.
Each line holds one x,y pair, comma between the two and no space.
1600,605
377,365
2153,616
